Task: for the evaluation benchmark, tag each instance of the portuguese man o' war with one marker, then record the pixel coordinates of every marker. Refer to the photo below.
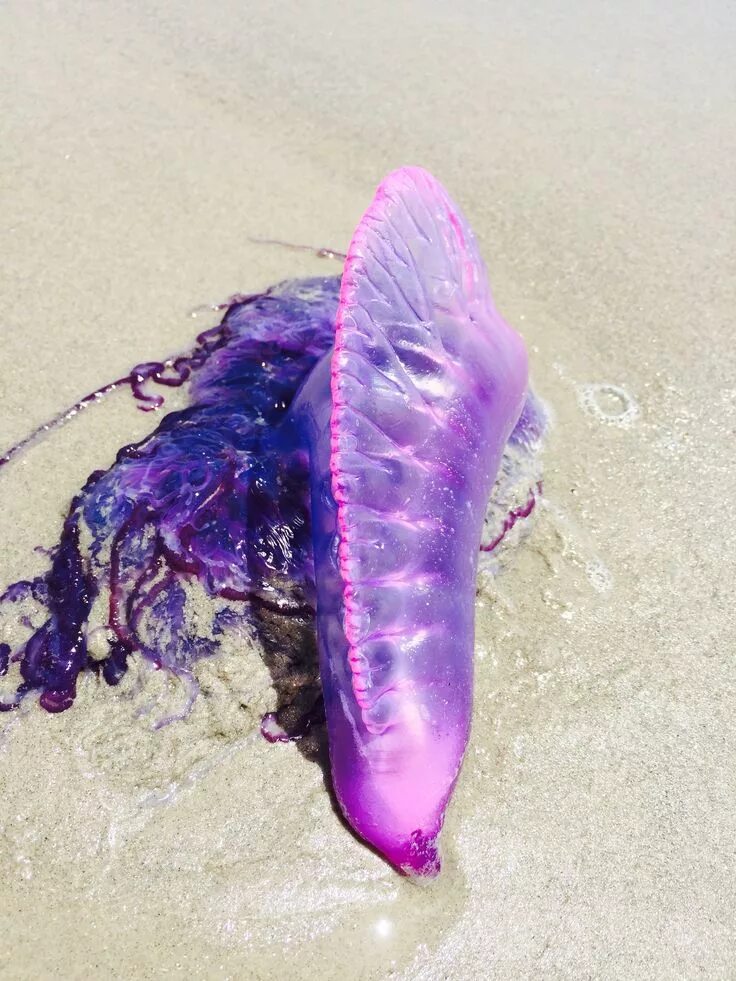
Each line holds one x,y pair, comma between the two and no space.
334,462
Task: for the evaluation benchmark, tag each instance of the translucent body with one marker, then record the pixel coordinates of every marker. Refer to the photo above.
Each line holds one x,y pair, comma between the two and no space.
426,385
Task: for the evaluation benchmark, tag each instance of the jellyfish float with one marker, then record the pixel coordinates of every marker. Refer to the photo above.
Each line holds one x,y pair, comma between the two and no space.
335,461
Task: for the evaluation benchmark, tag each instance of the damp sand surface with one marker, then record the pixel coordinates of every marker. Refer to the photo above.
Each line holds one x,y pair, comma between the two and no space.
592,833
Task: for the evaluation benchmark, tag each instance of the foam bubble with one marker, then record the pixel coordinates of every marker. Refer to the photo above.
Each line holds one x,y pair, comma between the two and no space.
608,403
599,575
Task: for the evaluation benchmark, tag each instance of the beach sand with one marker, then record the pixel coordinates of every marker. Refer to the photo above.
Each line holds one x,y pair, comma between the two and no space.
592,147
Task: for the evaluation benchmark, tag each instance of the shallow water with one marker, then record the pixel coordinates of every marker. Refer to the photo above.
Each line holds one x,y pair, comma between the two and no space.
592,831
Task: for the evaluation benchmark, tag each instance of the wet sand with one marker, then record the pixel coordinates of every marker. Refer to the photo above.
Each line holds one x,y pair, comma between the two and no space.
593,832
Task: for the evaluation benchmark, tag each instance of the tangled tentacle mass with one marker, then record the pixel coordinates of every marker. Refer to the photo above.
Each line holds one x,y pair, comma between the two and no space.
218,492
